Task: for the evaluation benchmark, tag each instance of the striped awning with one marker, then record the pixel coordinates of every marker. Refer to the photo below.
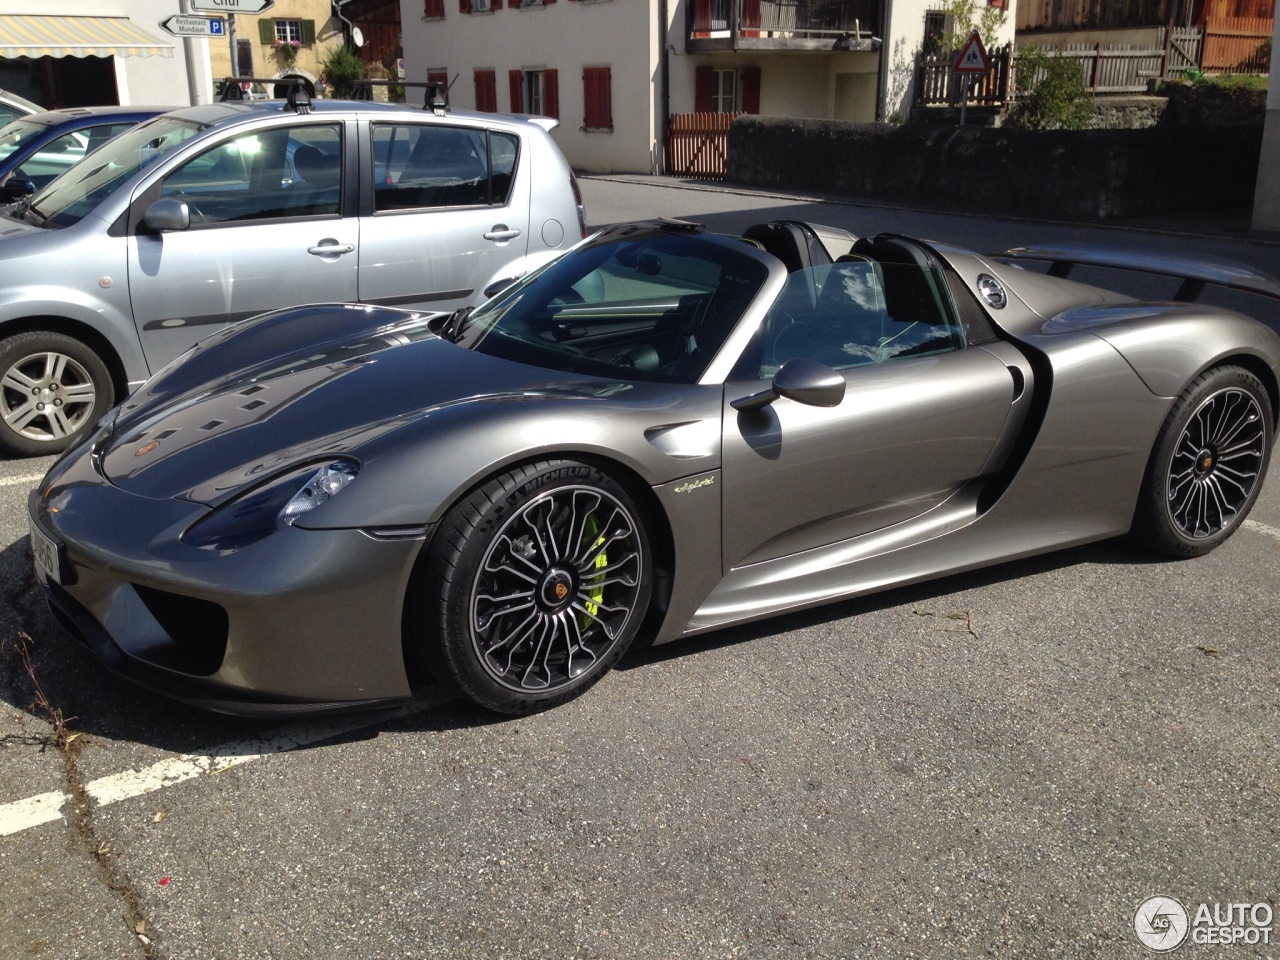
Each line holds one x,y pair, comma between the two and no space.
37,35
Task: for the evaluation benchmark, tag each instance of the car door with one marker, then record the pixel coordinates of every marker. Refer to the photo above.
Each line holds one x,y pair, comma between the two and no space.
921,415
264,233
447,209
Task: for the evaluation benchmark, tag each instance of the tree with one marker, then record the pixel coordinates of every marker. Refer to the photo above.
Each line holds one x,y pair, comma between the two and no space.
963,18
1051,92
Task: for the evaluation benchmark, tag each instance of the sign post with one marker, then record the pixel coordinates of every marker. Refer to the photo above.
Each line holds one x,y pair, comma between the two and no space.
180,26
972,60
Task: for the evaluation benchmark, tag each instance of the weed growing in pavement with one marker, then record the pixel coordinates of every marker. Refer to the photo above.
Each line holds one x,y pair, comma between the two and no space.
59,724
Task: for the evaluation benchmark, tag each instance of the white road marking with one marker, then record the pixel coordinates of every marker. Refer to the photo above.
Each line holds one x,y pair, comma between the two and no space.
29,480
1262,528
47,807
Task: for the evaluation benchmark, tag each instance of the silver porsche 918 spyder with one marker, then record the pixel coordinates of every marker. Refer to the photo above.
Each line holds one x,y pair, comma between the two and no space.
663,432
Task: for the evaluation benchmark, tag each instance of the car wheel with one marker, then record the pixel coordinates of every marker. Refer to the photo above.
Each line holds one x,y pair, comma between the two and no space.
532,587
53,388
1208,464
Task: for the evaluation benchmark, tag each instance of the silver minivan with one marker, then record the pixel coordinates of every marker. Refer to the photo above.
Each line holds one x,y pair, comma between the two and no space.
212,214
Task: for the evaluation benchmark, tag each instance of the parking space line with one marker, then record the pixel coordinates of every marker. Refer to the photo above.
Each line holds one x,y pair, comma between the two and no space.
1262,528
30,479
46,807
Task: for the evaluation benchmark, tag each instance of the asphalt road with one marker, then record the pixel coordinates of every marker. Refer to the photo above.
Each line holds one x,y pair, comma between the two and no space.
1005,763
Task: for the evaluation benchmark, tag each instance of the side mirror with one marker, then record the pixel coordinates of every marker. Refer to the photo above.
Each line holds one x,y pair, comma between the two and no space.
167,214
15,188
800,379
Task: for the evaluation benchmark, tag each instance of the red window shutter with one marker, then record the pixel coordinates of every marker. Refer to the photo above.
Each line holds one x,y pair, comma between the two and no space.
517,98
511,4
751,18
596,95
547,2
702,18
433,10
486,91
464,6
703,90
551,93
751,89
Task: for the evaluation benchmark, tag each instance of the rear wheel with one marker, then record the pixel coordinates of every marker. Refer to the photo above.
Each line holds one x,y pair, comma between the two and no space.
533,586
1208,464
53,389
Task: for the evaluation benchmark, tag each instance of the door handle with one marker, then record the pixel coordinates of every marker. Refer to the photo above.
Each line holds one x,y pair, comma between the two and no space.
501,233
330,248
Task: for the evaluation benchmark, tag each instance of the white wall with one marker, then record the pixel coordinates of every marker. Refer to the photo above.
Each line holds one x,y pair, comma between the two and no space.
141,80
566,36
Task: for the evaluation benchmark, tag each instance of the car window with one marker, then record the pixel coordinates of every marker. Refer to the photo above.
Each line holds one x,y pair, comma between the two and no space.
647,308
263,175
54,158
857,311
420,165
17,134
71,196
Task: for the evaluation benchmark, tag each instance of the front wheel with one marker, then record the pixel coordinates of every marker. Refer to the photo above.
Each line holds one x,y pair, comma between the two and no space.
1208,464
53,389
533,587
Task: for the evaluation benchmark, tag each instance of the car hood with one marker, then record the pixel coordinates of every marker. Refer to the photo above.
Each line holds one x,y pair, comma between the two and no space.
214,438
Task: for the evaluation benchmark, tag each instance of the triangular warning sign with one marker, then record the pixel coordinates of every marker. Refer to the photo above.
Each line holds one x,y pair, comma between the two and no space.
973,56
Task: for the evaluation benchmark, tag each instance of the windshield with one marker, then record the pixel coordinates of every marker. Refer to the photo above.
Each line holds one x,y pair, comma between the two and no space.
653,306
71,196
14,135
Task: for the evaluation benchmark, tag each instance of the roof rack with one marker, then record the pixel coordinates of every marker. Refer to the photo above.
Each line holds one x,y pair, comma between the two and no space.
434,99
296,91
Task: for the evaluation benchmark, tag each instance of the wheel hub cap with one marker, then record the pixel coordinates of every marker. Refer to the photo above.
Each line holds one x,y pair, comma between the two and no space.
556,589
46,396
1216,464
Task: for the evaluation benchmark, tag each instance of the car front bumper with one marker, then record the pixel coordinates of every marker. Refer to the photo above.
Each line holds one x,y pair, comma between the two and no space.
301,621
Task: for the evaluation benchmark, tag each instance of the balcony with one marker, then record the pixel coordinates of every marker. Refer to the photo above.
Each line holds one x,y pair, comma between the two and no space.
820,25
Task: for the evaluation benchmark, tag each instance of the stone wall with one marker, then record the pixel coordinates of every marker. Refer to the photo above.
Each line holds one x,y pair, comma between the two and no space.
1082,175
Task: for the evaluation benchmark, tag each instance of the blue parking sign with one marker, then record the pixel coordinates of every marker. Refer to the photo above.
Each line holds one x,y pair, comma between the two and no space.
215,27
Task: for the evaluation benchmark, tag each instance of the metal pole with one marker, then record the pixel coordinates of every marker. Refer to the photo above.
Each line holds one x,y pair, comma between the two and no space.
235,54
194,86
964,96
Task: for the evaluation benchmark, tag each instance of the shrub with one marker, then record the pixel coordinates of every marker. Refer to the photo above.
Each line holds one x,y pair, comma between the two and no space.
342,68
1051,93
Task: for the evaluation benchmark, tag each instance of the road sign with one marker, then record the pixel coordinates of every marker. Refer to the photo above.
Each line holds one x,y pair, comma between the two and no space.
194,26
973,56
232,6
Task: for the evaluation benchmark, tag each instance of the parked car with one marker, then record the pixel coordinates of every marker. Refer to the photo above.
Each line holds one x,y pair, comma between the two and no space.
663,431
211,214
37,148
13,106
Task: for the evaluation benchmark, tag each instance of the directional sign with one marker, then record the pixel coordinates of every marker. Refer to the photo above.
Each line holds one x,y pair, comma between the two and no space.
194,26
973,56
232,6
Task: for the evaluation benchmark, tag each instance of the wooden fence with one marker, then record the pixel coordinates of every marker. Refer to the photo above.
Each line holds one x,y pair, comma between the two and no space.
698,143
1116,68
1238,45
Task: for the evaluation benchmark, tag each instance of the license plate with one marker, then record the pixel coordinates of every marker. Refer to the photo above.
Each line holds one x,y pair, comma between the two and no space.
45,550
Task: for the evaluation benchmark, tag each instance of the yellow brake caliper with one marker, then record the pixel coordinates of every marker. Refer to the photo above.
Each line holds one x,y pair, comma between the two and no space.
602,561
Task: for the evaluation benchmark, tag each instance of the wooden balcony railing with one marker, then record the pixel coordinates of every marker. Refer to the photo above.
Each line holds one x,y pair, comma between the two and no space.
814,24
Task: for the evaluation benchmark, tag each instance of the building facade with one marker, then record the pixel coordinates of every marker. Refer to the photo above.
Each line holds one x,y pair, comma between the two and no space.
64,53
292,38
613,71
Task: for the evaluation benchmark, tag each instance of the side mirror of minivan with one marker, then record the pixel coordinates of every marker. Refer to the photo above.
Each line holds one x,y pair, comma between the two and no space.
167,214
16,188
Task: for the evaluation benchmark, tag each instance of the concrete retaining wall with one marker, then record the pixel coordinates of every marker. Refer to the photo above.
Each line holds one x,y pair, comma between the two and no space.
1075,175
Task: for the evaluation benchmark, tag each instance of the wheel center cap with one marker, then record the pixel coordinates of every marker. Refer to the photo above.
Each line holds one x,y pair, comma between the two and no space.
557,587
1205,460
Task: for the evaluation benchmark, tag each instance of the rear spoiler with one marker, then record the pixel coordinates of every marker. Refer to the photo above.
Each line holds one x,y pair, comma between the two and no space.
1194,271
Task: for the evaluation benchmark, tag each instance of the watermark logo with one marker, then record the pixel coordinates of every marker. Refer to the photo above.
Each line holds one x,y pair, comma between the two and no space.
1161,923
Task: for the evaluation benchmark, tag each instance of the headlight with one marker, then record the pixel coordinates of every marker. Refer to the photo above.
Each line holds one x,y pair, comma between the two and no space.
329,481
265,509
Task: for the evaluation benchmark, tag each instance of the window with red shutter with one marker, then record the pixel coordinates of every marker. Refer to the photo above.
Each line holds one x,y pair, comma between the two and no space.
433,10
514,81
486,91
550,94
597,94
704,86
751,89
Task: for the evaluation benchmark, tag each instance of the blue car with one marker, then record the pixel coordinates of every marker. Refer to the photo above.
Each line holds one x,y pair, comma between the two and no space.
39,147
